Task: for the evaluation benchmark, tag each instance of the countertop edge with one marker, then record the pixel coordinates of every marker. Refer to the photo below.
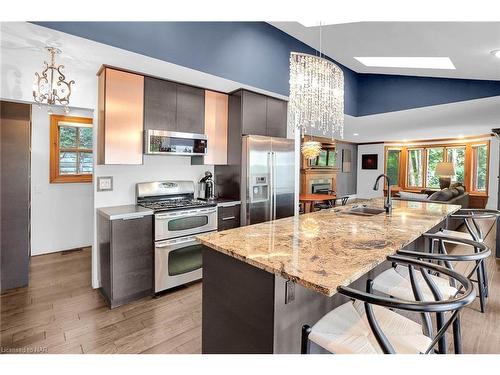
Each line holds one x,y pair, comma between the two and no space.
309,285
128,211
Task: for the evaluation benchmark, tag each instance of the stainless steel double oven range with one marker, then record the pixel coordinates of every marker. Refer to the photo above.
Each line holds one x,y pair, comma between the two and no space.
178,218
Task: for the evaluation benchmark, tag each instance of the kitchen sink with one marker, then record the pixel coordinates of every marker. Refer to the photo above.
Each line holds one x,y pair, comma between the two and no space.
365,211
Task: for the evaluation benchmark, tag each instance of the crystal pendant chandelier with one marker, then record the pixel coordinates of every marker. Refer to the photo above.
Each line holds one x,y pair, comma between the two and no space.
50,87
316,96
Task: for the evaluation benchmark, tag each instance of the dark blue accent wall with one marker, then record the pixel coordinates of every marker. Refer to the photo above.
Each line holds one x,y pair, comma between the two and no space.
257,54
379,93
252,53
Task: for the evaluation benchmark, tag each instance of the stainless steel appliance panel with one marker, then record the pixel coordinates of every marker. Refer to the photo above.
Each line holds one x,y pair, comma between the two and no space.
256,191
162,142
283,171
185,222
177,261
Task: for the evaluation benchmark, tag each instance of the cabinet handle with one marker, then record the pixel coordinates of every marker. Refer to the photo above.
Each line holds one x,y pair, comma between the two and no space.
228,218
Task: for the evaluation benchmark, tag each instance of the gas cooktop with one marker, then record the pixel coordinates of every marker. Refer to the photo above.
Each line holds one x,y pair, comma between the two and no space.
176,204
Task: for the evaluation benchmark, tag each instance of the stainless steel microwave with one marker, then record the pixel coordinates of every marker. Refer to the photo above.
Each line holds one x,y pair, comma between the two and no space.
161,142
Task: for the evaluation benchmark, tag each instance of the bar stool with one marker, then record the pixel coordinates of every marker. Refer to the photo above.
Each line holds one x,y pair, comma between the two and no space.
471,216
396,281
367,325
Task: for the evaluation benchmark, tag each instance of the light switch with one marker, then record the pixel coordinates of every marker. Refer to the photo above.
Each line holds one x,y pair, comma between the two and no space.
105,183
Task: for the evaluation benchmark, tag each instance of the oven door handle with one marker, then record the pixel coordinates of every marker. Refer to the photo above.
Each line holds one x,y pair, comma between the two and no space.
175,242
192,213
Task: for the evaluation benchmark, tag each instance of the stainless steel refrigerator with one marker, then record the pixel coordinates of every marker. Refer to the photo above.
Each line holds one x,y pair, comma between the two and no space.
267,179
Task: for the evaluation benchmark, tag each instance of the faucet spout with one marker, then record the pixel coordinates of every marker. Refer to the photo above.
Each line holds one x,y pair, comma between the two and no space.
388,200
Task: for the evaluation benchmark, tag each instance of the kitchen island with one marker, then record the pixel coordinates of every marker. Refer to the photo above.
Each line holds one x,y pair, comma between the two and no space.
262,282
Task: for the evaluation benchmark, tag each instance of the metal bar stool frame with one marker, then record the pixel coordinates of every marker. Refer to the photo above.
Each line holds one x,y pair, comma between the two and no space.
419,306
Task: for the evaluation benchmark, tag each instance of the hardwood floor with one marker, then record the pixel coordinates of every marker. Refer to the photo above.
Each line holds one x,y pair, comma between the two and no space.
60,313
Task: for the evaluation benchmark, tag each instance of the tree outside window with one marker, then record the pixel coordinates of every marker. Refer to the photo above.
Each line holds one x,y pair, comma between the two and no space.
434,156
480,167
456,155
392,166
415,170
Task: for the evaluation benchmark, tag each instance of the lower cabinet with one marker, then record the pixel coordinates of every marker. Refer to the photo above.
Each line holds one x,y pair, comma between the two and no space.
126,254
228,217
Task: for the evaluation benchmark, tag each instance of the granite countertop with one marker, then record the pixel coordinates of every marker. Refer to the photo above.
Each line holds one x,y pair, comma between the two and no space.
129,211
328,248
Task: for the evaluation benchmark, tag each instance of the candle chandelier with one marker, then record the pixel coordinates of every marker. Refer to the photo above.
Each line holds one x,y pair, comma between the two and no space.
50,86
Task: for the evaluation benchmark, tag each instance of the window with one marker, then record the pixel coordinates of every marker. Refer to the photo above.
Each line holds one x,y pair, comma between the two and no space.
415,167
392,165
71,157
456,155
434,155
479,167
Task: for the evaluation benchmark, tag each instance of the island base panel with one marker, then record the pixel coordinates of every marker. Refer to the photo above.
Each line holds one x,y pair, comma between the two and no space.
238,306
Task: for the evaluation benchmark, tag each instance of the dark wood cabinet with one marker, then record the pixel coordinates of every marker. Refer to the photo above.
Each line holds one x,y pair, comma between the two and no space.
15,129
160,104
173,107
190,109
276,117
253,113
126,256
228,217
259,114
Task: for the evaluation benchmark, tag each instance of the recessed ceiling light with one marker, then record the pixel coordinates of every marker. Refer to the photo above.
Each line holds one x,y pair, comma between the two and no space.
355,133
496,53
408,62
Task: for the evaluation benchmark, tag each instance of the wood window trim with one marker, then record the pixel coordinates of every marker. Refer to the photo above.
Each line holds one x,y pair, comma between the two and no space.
54,176
474,166
468,167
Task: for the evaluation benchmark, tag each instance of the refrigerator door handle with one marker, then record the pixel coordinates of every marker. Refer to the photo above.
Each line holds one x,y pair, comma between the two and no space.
271,184
274,185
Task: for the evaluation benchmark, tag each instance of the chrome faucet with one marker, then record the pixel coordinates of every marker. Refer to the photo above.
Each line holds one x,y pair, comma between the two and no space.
388,200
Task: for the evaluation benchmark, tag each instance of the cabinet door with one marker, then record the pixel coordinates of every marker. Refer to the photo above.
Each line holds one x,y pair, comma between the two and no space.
160,104
190,109
132,258
276,117
254,108
121,138
228,217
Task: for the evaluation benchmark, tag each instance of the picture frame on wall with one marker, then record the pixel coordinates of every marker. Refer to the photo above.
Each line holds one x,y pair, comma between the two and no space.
346,160
369,161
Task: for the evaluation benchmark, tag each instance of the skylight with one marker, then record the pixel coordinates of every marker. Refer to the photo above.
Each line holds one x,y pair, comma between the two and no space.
408,62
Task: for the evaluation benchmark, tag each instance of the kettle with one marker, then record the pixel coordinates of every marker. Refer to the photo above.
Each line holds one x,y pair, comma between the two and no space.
207,187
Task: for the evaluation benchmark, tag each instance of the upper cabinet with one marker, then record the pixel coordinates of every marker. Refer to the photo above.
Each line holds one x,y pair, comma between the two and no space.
262,115
216,108
121,107
160,104
190,109
253,113
276,117
172,106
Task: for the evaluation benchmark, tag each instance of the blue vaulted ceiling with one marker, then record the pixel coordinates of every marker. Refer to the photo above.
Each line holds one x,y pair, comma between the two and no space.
257,54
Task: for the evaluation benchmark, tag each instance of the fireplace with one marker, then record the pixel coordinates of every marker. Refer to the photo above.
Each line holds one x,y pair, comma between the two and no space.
321,188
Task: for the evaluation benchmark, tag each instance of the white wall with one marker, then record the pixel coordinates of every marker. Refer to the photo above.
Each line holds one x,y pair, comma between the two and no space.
155,168
366,177
61,214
